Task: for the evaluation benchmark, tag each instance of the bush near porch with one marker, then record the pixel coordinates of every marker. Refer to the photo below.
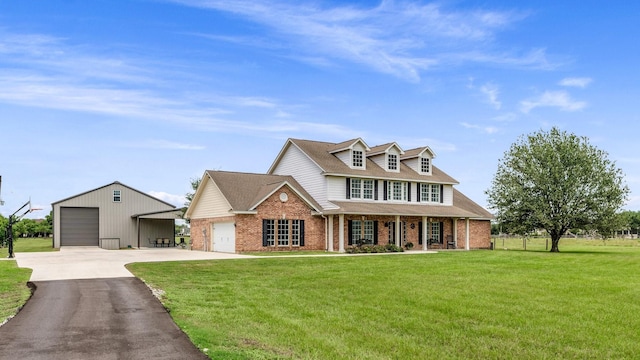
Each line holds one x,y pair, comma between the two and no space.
581,303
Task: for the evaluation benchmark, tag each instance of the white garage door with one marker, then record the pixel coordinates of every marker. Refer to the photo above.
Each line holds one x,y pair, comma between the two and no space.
224,237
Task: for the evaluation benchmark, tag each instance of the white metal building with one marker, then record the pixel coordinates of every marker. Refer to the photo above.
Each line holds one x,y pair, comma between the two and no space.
113,216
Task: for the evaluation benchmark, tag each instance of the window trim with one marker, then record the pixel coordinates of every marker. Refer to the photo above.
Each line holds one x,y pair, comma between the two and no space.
425,168
282,233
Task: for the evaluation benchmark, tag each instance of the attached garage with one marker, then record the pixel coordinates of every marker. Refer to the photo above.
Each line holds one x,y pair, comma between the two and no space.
79,226
224,237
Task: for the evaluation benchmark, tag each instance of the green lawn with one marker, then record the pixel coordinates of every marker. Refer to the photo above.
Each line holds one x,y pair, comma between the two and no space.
579,304
29,245
13,288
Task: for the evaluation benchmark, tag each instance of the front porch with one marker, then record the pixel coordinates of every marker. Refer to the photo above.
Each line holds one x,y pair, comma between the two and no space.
409,232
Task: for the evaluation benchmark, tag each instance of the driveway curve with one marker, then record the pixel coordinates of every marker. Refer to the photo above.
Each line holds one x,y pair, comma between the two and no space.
87,305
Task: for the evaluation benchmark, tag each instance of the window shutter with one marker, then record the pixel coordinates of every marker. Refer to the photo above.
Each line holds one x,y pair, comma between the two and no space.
441,193
375,189
409,191
265,241
418,188
348,196
441,232
375,232
420,233
350,232
301,223
384,190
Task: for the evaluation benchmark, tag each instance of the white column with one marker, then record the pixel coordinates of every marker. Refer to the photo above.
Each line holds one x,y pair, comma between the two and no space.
341,233
425,232
455,232
466,240
330,234
398,230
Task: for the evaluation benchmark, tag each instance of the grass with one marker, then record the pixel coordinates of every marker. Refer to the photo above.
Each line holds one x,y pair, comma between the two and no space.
29,245
578,304
13,288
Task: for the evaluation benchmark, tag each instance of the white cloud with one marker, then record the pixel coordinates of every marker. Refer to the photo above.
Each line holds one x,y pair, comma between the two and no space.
484,129
401,38
491,91
557,99
177,200
581,82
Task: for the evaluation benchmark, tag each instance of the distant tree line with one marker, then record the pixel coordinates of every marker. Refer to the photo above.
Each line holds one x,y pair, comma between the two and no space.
26,228
623,223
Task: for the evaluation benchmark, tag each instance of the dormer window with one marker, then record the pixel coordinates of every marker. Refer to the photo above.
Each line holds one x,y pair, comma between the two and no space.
425,165
356,159
392,162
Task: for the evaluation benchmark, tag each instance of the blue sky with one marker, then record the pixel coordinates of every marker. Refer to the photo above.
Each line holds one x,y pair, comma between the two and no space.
152,93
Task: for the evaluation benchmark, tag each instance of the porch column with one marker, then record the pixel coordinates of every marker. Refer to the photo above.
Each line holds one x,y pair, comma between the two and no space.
398,230
455,232
466,239
341,233
330,234
425,229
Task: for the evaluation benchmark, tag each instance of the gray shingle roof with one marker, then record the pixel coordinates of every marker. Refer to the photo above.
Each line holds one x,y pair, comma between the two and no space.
320,153
244,191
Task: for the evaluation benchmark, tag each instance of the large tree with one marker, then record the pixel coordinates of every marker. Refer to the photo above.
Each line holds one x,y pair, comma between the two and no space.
556,181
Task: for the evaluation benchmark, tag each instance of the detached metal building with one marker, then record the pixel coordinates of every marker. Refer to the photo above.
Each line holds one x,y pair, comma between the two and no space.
112,216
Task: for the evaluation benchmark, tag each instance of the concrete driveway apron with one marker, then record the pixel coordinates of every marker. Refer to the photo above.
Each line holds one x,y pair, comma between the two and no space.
88,306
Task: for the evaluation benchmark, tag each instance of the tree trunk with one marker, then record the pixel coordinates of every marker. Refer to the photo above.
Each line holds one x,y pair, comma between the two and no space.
554,244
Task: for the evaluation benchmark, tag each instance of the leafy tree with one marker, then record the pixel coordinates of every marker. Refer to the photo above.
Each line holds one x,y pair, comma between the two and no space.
556,181
3,228
195,182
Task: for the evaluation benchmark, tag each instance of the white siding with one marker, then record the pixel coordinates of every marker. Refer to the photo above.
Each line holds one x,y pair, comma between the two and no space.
211,203
306,173
413,163
115,217
345,157
337,187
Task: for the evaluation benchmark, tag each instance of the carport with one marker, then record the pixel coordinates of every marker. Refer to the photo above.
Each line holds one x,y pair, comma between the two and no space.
156,225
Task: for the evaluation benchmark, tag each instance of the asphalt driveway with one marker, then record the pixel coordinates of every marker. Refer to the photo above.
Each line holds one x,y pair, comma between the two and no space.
86,305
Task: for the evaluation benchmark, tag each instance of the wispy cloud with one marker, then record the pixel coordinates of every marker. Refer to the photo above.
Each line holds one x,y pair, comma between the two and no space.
401,38
581,82
177,200
484,129
45,72
558,99
491,91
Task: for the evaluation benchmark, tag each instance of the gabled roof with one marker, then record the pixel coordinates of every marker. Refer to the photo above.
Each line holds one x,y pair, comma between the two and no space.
320,153
348,145
245,191
463,207
414,153
381,149
114,183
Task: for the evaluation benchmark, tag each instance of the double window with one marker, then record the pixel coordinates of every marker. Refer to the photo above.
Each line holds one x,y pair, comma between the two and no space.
362,230
397,190
360,189
430,193
282,232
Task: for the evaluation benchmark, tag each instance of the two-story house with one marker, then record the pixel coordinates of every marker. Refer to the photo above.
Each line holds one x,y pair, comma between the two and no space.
328,196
